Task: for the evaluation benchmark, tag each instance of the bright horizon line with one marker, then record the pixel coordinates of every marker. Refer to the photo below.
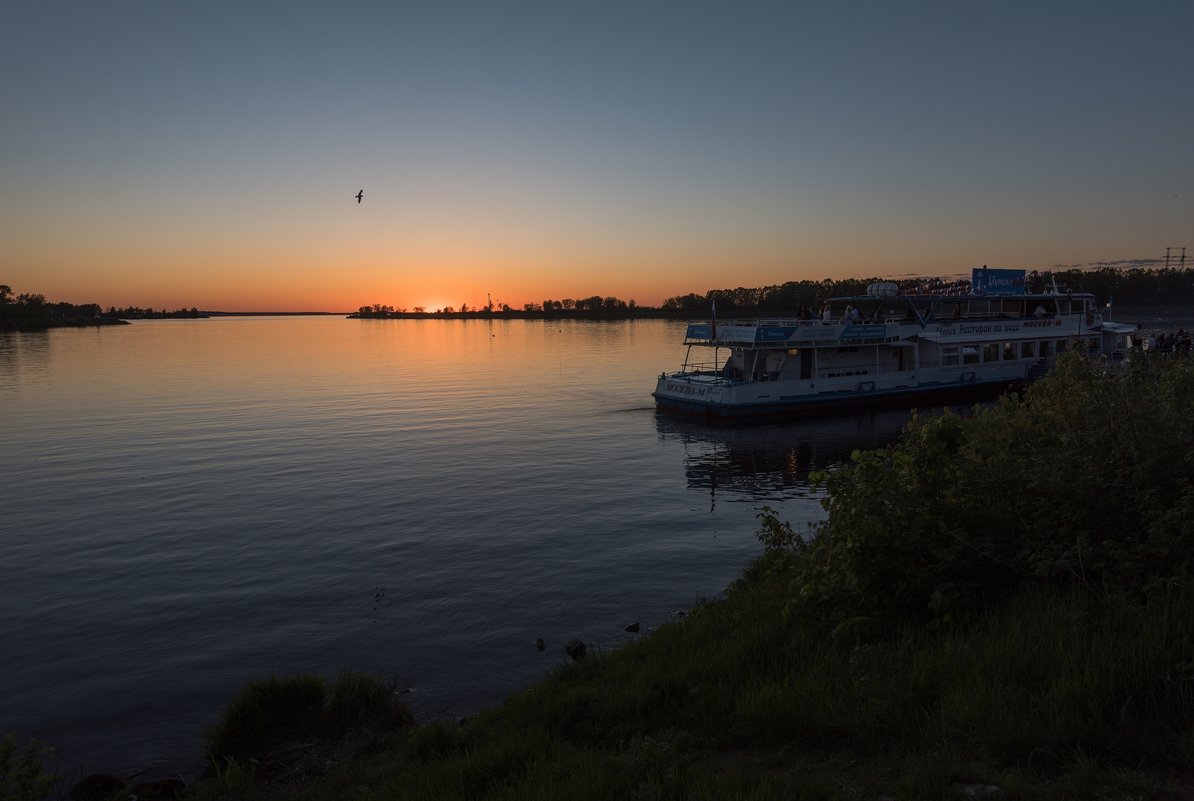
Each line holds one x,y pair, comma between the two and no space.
432,306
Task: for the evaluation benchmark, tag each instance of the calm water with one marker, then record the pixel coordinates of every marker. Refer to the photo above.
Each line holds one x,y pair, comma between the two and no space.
189,504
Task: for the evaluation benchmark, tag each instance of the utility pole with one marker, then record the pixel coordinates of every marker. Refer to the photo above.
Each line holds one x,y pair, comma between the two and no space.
1178,253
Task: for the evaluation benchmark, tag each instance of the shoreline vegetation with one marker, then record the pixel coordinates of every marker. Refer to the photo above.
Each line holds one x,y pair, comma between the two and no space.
1136,286
996,606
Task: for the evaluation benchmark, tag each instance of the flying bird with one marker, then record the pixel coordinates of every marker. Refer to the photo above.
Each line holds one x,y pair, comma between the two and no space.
360,195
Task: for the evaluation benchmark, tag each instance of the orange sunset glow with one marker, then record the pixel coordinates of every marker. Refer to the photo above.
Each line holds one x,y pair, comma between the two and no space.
178,162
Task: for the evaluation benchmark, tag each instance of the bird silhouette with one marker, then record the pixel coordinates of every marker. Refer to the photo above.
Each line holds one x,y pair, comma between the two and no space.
360,195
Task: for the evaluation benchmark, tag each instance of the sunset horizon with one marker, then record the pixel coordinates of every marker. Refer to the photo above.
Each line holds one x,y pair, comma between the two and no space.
163,157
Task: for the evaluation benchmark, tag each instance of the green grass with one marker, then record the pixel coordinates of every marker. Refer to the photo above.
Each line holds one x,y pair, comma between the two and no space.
275,711
1056,695
25,769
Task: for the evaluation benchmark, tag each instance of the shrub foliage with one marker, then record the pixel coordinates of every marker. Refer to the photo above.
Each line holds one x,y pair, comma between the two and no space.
278,710
23,775
1086,479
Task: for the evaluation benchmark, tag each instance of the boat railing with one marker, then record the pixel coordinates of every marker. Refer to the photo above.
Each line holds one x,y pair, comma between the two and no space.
711,369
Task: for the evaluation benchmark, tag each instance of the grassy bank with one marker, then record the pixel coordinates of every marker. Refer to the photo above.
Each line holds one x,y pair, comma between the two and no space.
1052,695
996,607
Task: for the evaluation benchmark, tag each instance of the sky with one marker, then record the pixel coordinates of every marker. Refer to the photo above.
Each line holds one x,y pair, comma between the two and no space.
178,154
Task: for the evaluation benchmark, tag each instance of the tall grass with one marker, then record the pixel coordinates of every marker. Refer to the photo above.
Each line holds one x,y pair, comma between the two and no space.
1050,695
276,710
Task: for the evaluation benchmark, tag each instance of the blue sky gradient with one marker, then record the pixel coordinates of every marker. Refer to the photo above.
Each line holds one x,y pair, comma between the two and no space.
179,154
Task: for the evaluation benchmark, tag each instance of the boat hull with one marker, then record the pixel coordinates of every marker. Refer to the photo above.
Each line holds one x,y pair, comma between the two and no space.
831,403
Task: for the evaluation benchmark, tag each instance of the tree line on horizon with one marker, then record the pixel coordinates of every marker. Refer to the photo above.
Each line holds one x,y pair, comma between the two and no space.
31,311
1117,285
596,303
1108,284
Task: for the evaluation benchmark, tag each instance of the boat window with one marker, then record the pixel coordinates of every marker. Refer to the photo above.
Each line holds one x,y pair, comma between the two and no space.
1009,351
1045,346
969,355
1026,350
1063,345
991,352
949,356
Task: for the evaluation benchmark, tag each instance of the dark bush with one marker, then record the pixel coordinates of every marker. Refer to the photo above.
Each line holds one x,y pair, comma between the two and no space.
1086,480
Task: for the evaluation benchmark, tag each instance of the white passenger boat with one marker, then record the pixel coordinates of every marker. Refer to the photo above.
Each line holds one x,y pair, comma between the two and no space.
887,349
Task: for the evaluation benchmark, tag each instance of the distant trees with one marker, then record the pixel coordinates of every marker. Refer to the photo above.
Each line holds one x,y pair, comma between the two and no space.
777,298
138,313
1135,285
31,311
1124,285
376,310
595,303
1138,286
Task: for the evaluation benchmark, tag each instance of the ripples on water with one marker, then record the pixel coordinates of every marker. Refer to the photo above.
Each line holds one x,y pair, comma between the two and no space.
189,504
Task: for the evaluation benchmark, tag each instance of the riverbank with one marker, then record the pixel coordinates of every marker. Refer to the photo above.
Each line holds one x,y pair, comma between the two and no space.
69,322
931,640
997,606
1053,695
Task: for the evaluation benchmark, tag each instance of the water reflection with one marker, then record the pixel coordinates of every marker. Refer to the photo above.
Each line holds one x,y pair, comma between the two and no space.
771,462
24,357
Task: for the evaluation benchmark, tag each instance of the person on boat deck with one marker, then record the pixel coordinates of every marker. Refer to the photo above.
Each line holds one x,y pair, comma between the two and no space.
851,314
1040,310
826,314
957,311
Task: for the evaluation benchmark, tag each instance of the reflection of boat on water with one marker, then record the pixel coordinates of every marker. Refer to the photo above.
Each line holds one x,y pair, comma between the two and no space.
772,461
888,350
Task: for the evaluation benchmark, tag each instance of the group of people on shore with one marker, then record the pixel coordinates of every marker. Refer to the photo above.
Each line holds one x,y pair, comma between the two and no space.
1165,342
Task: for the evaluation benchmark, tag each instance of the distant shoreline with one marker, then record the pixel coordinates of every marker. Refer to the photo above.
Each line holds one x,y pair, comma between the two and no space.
70,322
620,314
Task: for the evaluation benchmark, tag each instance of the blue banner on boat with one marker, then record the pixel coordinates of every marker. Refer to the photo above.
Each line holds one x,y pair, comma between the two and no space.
773,333
985,281
864,332
697,331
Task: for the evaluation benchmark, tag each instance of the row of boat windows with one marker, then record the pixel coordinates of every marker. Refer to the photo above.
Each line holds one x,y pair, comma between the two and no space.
963,308
1009,351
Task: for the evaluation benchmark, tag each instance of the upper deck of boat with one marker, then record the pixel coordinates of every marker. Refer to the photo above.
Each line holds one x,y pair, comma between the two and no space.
885,318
